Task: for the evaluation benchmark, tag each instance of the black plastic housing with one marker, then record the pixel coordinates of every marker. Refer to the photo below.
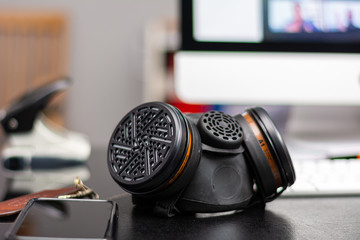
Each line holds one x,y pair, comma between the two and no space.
208,162
222,182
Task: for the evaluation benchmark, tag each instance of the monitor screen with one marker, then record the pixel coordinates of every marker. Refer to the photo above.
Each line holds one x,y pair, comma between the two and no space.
272,25
269,52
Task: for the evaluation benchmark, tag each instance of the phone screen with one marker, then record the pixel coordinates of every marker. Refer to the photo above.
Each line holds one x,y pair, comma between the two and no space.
69,218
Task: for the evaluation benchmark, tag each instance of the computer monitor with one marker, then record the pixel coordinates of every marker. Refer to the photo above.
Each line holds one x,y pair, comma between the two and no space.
282,52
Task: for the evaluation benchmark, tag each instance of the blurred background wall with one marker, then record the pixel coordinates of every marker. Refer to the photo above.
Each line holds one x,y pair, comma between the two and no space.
106,57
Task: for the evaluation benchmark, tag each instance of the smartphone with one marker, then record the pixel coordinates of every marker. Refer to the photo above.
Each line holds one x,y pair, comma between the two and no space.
52,218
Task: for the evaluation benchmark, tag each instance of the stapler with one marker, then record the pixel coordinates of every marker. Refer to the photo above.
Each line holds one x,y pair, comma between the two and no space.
36,153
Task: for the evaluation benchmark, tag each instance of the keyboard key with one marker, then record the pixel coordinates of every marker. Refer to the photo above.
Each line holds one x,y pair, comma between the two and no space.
325,177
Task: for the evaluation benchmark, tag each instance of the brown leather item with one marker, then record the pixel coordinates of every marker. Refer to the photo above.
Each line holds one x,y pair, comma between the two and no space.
15,205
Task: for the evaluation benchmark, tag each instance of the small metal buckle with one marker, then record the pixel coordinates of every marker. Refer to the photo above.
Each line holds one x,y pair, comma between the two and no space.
84,191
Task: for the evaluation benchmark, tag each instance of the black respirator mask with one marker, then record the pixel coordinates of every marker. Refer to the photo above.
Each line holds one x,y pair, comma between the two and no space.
196,163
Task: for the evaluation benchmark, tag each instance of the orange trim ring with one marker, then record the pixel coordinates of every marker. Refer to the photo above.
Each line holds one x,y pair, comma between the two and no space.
183,163
265,148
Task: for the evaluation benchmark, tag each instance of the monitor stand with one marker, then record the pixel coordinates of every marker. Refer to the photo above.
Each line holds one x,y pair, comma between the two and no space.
321,131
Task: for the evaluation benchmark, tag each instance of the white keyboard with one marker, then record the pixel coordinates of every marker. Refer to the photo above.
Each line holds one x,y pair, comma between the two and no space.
325,177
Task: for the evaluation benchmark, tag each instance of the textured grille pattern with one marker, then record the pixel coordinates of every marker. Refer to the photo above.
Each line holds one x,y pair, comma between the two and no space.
221,127
141,143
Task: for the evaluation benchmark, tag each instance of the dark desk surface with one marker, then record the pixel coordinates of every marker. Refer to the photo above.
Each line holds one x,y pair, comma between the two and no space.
284,218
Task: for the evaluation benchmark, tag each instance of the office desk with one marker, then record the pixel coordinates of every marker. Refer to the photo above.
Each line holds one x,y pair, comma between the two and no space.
284,218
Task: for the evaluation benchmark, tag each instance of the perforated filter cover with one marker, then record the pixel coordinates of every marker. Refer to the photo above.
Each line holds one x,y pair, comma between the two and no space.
146,146
218,129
